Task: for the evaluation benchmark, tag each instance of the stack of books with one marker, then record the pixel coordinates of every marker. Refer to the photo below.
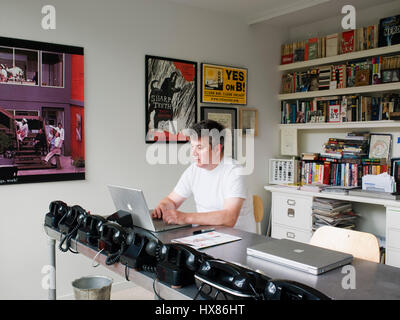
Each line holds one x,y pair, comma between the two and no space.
350,147
335,213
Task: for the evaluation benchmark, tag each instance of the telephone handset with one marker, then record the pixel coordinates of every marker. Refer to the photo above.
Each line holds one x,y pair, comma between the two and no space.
218,278
179,264
88,232
291,290
144,250
57,209
114,240
69,225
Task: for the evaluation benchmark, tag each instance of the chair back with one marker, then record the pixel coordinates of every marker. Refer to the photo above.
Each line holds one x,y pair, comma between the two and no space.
258,211
361,245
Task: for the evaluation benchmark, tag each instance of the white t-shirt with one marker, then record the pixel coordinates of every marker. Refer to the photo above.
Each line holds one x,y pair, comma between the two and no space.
211,187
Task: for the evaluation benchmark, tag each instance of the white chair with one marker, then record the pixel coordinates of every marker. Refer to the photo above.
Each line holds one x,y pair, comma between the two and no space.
361,245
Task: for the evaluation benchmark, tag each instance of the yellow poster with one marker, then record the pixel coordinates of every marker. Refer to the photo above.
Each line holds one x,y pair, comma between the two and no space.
226,85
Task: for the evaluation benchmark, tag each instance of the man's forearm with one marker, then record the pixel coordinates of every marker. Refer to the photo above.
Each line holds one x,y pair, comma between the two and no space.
213,218
169,203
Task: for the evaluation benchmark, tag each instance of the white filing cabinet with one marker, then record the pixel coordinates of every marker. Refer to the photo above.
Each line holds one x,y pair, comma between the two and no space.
393,236
291,217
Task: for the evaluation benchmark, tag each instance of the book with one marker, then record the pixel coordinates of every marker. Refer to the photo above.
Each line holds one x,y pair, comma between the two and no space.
332,44
286,53
324,78
389,31
347,42
205,240
311,49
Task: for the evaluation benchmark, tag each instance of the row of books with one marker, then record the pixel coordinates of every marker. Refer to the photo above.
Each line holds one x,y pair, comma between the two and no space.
354,73
328,173
341,109
341,173
363,38
378,35
335,213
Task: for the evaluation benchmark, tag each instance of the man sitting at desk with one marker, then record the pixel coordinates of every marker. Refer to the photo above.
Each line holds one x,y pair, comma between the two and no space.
215,181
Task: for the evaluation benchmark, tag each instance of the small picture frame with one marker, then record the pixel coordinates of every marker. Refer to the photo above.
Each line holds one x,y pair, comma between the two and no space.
227,117
396,75
334,113
362,78
248,119
387,76
380,146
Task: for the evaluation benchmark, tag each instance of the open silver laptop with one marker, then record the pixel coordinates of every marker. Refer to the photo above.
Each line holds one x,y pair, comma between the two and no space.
133,201
299,256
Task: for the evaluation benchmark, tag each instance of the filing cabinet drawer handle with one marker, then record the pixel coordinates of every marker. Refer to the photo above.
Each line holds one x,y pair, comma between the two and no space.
290,213
290,235
291,202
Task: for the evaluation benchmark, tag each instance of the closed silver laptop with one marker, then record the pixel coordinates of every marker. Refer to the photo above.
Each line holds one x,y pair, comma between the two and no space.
133,201
299,256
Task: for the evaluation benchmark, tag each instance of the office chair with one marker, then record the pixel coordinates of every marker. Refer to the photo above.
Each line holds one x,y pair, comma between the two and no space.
258,212
361,245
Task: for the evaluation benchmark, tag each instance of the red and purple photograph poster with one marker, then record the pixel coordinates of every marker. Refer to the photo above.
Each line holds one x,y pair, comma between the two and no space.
41,112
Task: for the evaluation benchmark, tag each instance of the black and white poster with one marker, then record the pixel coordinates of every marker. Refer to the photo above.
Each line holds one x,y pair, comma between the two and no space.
171,98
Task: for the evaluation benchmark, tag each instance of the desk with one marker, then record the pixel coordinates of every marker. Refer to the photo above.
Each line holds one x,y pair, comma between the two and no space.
298,224
373,281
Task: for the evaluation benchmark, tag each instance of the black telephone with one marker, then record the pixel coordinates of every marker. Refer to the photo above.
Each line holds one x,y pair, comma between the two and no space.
88,232
144,250
69,225
113,240
291,290
179,263
57,209
218,279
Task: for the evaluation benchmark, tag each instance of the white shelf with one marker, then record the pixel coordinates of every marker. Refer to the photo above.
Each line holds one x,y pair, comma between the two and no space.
339,58
378,201
386,87
343,125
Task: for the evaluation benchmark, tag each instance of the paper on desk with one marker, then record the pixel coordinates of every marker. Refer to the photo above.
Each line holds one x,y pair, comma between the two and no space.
207,239
381,182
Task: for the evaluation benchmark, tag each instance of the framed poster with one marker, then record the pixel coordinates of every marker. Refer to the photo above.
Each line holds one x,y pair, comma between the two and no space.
41,112
222,84
171,98
380,146
248,119
227,117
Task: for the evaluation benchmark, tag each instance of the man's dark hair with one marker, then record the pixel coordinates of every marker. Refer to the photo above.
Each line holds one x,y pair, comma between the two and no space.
213,129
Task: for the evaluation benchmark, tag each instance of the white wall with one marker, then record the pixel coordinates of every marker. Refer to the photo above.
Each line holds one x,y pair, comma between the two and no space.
373,218
116,36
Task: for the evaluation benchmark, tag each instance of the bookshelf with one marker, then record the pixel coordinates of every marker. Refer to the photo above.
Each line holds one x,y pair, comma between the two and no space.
292,208
339,58
379,88
343,125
